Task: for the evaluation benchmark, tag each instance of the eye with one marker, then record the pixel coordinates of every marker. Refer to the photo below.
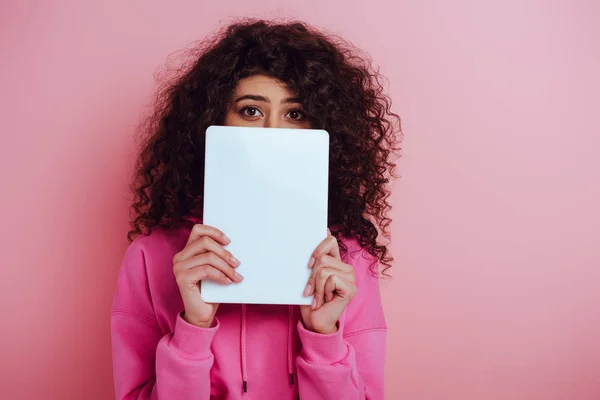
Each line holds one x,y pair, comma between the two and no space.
250,111
296,115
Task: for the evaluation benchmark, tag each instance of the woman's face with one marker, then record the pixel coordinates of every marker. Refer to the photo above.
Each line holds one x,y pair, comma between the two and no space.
261,101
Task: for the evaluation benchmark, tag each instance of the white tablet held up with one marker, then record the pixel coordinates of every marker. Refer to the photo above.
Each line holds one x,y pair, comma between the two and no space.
266,188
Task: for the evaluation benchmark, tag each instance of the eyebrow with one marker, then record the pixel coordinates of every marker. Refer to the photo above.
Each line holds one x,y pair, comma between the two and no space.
266,100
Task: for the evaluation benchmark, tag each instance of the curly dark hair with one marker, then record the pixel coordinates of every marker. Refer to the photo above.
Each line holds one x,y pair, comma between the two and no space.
341,93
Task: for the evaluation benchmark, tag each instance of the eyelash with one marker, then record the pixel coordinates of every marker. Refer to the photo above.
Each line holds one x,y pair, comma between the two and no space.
246,108
302,113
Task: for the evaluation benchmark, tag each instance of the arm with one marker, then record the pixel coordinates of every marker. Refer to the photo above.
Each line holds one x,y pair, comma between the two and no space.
348,364
148,364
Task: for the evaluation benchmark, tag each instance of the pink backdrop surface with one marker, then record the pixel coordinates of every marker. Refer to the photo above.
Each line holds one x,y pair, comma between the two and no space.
495,290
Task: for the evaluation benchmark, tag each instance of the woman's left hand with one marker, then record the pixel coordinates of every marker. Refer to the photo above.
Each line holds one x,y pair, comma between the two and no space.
333,284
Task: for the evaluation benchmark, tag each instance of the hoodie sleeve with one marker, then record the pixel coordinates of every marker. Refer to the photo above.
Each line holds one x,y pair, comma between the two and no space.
147,363
348,364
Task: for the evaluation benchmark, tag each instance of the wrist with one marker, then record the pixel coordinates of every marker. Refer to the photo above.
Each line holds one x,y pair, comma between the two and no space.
322,330
327,331
197,322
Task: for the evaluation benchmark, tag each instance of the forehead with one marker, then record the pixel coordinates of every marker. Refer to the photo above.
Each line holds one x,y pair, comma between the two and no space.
261,84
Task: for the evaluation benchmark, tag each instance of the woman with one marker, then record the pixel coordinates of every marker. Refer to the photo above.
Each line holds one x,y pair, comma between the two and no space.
167,342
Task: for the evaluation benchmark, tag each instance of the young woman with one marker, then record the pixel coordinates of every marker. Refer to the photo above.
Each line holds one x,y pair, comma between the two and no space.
167,342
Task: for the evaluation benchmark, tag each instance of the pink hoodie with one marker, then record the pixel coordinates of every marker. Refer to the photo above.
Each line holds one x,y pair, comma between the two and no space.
252,352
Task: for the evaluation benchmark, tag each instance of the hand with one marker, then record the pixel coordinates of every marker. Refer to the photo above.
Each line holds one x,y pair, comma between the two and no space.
333,284
203,257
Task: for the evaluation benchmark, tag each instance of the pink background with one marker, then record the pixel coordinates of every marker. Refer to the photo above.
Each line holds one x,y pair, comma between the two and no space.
496,286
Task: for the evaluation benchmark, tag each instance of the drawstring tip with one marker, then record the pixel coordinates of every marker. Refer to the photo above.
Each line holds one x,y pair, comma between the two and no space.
291,379
245,387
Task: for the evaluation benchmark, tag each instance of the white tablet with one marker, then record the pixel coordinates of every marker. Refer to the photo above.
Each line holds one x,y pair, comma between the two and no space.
266,188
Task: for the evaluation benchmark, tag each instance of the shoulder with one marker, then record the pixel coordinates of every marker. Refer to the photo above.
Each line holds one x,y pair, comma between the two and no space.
160,242
146,268
150,254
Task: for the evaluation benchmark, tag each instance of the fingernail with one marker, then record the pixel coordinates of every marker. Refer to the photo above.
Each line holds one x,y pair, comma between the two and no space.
228,280
307,289
235,261
311,262
314,304
239,277
227,240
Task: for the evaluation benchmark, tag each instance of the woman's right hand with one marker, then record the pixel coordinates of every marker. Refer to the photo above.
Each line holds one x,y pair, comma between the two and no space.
203,257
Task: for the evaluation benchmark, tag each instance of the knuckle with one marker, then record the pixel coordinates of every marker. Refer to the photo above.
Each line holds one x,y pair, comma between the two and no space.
204,269
212,258
176,258
203,272
198,228
177,269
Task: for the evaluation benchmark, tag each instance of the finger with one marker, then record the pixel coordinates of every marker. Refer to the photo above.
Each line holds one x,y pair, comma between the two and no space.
329,261
343,285
209,259
325,261
310,285
330,287
320,279
339,285
329,246
206,244
191,277
200,230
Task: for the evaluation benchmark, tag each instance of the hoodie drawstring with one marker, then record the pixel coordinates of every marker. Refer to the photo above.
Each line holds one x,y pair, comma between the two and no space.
290,342
290,347
243,348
